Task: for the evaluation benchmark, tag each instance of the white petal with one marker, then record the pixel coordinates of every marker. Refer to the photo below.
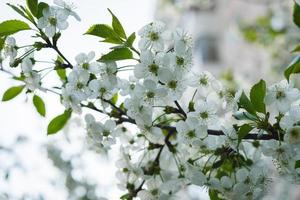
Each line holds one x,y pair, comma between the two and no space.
62,25
50,31
42,22
91,56
139,71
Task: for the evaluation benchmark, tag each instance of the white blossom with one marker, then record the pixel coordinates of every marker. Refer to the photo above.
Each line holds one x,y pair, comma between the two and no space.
10,48
204,114
152,36
153,190
150,65
150,92
283,94
291,118
53,19
84,62
205,82
70,100
67,8
173,82
142,113
100,136
292,135
189,134
101,88
32,78
77,84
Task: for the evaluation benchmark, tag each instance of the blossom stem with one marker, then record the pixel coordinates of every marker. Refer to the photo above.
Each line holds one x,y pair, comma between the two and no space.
134,49
180,109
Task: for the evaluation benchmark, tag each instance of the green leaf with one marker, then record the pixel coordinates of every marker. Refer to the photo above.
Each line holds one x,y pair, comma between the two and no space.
41,7
297,164
18,10
296,14
243,131
114,99
2,41
12,92
58,122
62,74
130,40
213,194
39,105
30,16
106,32
12,26
241,115
117,54
245,103
217,164
33,6
293,68
296,49
117,26
257,96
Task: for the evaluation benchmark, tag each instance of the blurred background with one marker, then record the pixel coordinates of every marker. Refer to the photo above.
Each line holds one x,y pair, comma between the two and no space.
239,41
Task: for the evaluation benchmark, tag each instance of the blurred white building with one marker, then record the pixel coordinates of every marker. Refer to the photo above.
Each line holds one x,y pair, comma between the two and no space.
214,26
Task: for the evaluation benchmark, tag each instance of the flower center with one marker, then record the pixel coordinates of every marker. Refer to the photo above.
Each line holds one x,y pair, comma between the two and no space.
203,80
132,86
106,133
172,84
153,36
150,94
295,132
102,90
85,65
204,115
191,134
280,95
154,192
52,21
179,60
153,68
80,85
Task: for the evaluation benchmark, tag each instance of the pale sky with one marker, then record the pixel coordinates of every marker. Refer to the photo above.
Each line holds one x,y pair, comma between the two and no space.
18,117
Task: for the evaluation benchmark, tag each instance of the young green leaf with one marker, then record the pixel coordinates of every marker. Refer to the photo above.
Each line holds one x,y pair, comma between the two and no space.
62,74
33,6
12,92
106,32
293,68
39,105
245,103
41,7
2,41
257,96
296,49
117,54
242,115
296,14
130,40
10,27
213,194
18,10
243,131
117,26
114,99
58,122
297,164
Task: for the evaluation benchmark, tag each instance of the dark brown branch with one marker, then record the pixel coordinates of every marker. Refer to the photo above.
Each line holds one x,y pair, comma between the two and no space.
181,111
251,136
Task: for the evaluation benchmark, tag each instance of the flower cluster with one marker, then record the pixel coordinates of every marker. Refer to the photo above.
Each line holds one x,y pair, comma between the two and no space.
55,18
176,127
